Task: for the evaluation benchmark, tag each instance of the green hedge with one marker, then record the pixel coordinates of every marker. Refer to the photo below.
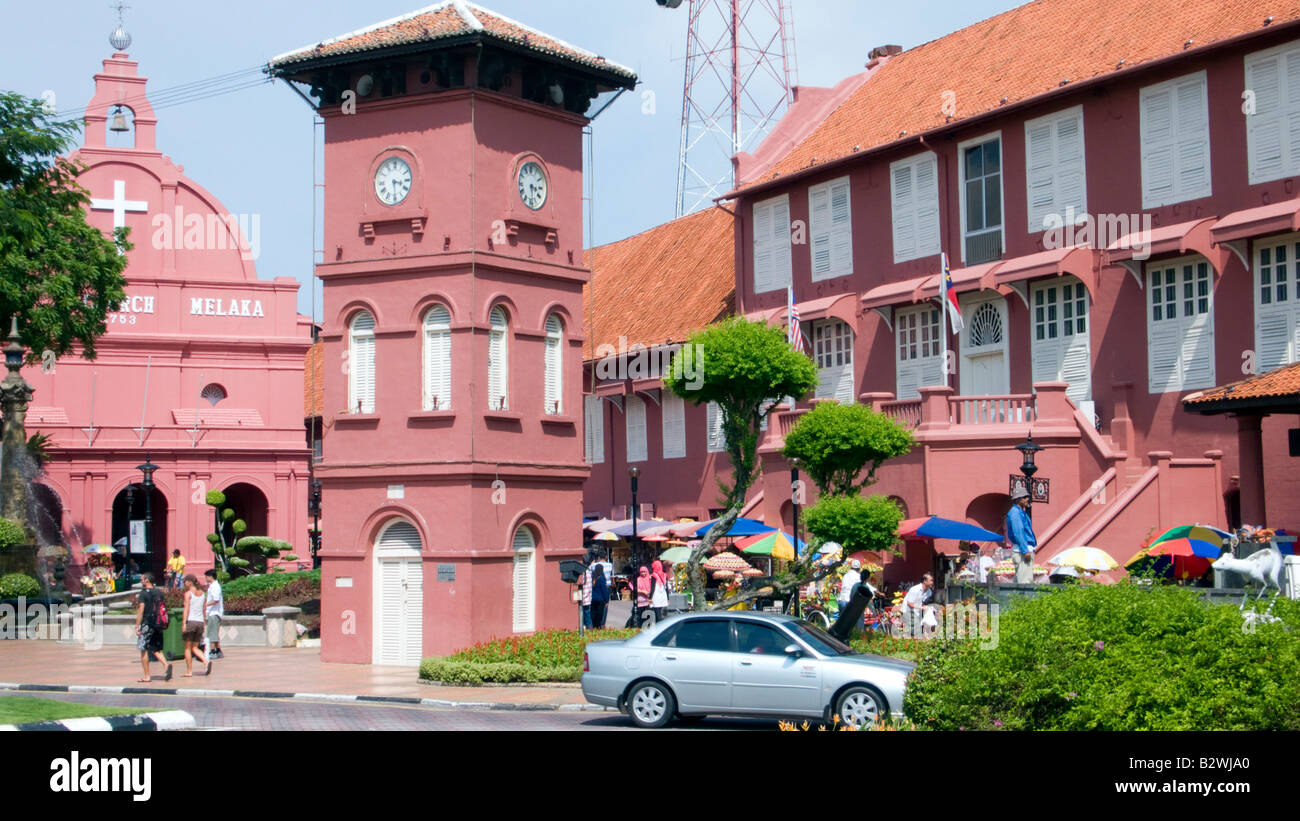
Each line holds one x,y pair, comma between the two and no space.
1116,657
11,533
247,585
13,585
468,672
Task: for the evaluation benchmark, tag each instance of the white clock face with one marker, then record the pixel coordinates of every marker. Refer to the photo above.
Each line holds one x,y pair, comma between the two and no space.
532,185
393,181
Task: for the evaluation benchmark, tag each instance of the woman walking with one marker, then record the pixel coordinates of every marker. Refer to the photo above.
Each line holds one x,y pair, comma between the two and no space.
599,596
644,587
658,590
192,632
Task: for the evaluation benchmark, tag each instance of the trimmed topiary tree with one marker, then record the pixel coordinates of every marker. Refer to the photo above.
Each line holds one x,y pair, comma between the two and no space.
227,531
836,443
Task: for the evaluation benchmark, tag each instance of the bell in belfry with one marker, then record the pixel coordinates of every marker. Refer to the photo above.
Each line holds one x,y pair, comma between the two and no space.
119,121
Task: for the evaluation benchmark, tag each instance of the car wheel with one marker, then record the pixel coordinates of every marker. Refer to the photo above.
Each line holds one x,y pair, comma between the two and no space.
650,704
860,706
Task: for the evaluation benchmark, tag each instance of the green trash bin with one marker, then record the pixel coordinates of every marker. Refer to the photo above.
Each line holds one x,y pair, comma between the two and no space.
173,641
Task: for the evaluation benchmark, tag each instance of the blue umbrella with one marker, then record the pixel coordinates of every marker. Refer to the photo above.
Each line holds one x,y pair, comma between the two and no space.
742,527
938,528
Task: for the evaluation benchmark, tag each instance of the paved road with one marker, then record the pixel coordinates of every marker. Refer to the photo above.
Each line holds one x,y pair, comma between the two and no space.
223,713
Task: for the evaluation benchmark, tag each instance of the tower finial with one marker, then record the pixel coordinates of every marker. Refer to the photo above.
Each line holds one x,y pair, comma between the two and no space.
120,39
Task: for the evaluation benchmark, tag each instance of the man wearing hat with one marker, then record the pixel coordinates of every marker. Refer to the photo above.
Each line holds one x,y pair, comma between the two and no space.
1020,535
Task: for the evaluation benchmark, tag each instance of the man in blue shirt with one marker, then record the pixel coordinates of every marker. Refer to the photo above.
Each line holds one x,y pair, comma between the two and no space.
1020,534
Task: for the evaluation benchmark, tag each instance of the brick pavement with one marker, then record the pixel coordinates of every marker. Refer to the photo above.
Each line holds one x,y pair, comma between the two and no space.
256,669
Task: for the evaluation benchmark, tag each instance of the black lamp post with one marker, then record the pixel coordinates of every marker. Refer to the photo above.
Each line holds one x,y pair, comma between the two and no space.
147,469
1027,450
794,501
313,508
633,471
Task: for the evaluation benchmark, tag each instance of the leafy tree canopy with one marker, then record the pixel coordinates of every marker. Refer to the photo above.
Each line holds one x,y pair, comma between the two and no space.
58,274
836,442
856,522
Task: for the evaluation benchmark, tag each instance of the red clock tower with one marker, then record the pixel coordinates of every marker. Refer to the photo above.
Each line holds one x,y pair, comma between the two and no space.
452,452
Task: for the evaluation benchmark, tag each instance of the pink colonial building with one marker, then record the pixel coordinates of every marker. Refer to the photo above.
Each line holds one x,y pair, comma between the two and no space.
200,371
452,331
1116,194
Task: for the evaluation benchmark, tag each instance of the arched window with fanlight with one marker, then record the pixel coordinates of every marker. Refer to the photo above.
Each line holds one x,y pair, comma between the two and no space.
523,604
554,365
212,393
361,363
437,358
498,360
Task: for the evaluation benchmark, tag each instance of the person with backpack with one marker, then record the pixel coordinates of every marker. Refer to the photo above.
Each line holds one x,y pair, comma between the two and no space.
150,622
192,610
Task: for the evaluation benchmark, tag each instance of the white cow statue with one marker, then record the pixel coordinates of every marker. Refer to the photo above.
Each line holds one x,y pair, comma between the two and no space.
1263,566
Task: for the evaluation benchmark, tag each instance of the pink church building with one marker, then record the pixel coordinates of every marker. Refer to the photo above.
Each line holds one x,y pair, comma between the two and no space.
452,331
200,371
1116,198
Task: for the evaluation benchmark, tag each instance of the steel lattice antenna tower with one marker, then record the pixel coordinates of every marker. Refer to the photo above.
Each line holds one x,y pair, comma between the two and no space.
740,72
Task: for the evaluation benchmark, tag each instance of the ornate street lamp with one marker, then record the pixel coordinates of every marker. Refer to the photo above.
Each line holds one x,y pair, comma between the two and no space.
15,395
1027,450
633,471
147,469
313,508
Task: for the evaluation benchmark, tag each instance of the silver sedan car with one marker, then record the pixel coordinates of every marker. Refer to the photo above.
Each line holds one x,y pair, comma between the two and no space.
741,663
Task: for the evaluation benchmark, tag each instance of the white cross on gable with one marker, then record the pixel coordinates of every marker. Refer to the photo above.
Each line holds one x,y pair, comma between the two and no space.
119,205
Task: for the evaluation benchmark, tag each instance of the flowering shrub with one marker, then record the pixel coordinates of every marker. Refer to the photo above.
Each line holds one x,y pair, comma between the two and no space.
882,644
548,655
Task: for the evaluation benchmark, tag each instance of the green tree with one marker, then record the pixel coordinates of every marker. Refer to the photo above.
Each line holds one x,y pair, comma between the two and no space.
835,443
855,522
58,274
740,365
226,532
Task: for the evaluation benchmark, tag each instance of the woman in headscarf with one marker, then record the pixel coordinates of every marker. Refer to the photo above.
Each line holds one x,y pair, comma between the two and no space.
658,590
644,589
599,595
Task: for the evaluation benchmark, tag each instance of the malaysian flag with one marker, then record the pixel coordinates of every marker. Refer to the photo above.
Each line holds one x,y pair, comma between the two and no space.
793,335
948,297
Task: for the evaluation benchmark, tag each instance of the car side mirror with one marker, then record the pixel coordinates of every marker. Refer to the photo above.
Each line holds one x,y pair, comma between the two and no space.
793,650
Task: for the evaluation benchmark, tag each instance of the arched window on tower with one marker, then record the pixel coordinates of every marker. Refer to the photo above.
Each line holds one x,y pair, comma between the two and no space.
437,359
522,608
554,365
498,361
361,364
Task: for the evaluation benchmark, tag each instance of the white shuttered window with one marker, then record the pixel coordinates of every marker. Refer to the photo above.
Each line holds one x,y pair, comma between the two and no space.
1273,126
831,239
524,598
1175,132
636,433
920,360
437,359
593,421
1277,305
674,425
1060,349
1054,168
361,364
554,366
498,361
914,192
771,244
1180,326
833,352
713,423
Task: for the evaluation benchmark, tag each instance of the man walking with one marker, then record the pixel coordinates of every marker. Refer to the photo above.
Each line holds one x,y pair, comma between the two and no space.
149,635
216,609
1020,535
914,605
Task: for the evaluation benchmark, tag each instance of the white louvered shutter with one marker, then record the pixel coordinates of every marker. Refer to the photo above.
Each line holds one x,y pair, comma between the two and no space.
763,261
1192,131
841,229
437,359
713,424
636,431
1070,164
902,192
1266,128
361,364
819,230
400,621
1054,160
593,417
1164,337
1040,168
914,195
554,366
919,360
781,253
523,604
927,206
1197,349
498,361
1059,333
1175,139
674,425
1180,326
1277,305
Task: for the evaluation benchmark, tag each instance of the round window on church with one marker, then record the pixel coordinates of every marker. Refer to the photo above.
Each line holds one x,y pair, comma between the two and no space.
214,393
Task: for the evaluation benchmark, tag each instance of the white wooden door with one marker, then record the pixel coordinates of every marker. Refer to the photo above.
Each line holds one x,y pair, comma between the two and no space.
984,348
399,596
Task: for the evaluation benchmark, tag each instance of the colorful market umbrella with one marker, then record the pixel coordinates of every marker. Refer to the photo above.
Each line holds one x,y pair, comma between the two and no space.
726,561
675,554
1204,533
1084,558
599,525
1187,547
624,528
1179,554
777,544
741,527
935,527
606,536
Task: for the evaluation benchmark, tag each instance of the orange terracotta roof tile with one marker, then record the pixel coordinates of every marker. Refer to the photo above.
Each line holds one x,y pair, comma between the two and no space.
661,284
451,18
313,381
1283,382
1024,52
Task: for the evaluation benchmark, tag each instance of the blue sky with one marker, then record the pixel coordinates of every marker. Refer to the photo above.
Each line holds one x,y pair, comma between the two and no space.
252,148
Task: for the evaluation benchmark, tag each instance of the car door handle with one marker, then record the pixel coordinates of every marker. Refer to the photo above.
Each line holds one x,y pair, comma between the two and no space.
747,664
670,658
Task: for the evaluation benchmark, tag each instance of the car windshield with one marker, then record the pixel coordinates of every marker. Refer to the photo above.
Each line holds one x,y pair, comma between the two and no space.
819,639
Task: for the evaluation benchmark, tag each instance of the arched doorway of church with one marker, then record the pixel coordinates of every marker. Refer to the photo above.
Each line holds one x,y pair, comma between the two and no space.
47,509
989,510
398,594
130,505
249,504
